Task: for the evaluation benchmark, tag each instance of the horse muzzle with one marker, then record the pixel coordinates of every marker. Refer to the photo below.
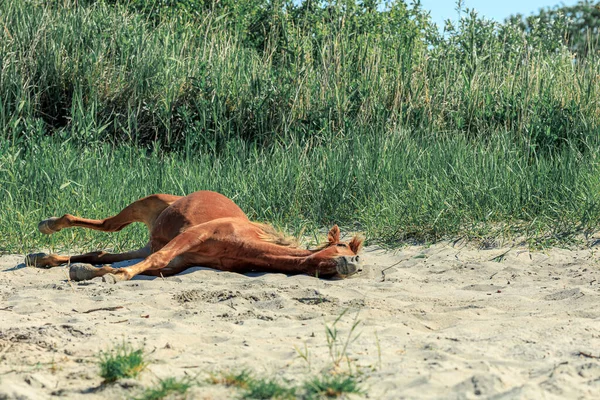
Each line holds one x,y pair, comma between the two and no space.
348,265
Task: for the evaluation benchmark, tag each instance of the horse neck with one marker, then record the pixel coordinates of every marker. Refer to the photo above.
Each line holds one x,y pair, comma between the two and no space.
294,260
277,251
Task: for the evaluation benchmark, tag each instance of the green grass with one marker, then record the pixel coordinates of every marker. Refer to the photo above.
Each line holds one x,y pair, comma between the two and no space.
252,387
239,379
121,362
330,386
167,387
385,128
260,388
393,189
337,342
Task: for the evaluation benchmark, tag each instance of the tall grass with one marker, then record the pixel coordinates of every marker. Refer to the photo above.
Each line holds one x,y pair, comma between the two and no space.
396,188
101,72
377,123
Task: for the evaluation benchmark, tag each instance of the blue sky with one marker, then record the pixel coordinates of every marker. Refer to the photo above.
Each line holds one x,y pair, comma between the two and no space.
493,9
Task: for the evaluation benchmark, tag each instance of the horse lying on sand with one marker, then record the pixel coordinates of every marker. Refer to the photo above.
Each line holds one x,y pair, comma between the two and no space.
203,228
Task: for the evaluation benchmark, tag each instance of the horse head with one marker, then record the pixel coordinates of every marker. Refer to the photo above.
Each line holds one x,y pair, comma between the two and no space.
343,255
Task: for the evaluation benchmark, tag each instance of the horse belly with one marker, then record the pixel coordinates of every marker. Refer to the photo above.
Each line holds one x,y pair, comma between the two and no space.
194,209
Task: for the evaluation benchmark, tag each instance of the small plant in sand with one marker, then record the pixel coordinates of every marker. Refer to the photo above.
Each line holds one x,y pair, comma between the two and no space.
304,354
338,346
331,386
260,388
253,388
121,362
238,379
167,387
327,385
331,383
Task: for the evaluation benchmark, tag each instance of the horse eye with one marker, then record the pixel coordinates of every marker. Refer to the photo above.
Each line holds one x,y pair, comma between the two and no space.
342,245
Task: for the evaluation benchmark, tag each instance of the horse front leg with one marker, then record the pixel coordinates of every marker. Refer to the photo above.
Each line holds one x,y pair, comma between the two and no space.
168,256
42,260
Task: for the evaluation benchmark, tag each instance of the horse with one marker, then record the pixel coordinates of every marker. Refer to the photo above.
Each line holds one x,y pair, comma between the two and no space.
203,228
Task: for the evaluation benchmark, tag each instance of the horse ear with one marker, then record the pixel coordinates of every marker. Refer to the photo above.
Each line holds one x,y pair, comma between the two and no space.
333,236
356,244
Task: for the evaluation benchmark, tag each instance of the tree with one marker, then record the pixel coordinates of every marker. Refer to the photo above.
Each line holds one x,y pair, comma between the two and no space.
577,26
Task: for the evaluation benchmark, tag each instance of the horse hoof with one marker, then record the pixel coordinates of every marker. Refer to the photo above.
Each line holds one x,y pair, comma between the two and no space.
112,278
45,228
37,260
109,278
82,272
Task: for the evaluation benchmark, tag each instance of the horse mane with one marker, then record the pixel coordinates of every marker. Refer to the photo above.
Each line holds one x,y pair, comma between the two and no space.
319,247
268,233
271,235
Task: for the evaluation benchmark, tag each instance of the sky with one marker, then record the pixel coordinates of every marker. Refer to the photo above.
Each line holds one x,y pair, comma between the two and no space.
498,10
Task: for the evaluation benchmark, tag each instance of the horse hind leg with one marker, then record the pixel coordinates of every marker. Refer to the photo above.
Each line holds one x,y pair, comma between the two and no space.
145,210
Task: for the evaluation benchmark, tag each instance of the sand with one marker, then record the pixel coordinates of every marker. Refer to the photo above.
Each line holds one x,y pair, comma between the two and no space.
447,321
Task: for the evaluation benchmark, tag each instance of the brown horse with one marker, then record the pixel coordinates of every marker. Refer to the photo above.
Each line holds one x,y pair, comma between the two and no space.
204,228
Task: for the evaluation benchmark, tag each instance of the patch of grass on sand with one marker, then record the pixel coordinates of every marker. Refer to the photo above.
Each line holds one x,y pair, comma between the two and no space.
238,379
253,388
260,388
318,387
167,387
121,362
328,386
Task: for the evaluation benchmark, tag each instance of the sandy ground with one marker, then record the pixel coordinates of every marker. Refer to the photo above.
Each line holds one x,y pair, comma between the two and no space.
442,322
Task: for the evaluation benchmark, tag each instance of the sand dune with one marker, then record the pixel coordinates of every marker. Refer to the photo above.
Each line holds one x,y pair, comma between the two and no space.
439,322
